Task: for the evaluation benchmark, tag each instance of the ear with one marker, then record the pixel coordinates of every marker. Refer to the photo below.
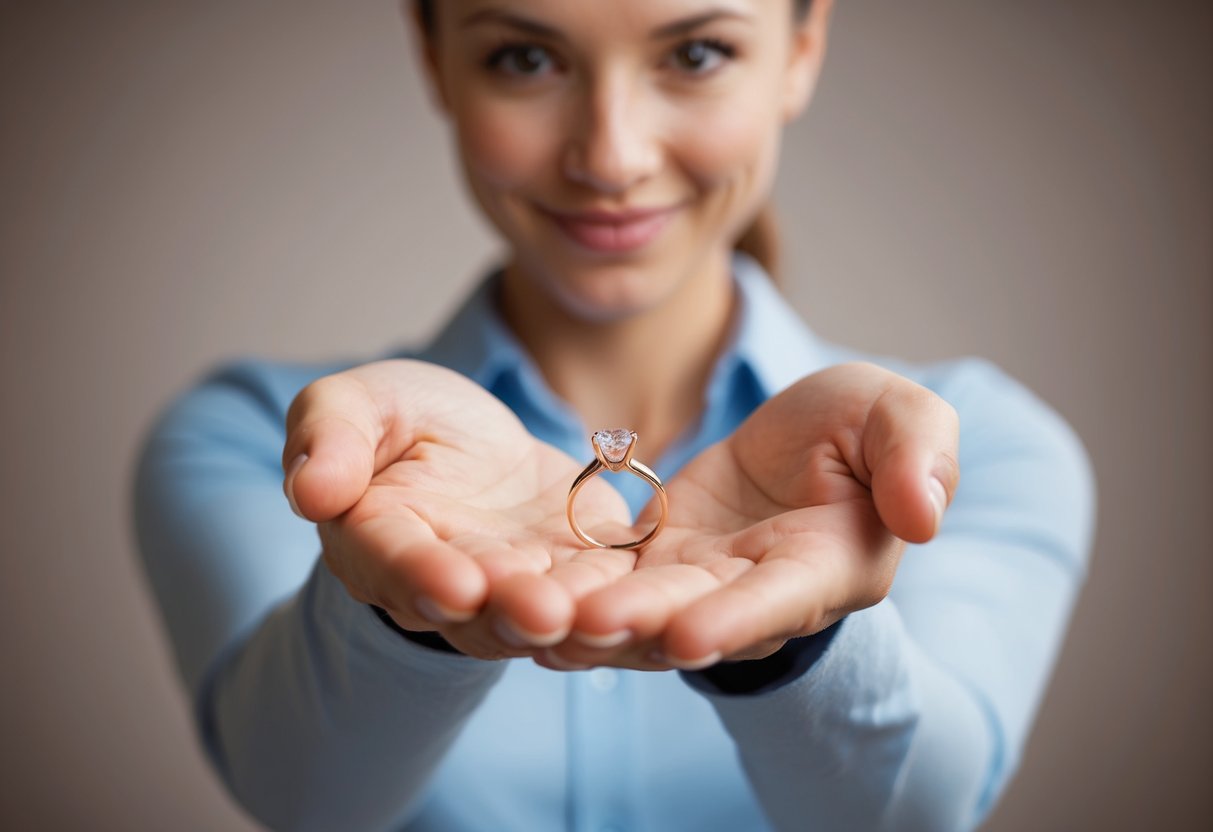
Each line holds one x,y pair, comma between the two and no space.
426,42
805,57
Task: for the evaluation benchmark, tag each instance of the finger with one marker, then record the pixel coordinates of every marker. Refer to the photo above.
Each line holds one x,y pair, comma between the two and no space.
499,557
334,430
525,606
586,570
345,428
910,443
536,609
641,603
618,623
590,570
787,594
577,577
402,567
523,613
529,610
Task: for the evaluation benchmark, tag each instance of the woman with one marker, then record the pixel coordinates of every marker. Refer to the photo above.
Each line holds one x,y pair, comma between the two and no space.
625,153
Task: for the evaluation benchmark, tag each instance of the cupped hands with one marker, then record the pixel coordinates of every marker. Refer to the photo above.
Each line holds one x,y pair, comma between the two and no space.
433,502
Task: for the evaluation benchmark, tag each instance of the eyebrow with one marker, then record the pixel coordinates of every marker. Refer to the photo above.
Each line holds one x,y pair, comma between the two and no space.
668,30
689,24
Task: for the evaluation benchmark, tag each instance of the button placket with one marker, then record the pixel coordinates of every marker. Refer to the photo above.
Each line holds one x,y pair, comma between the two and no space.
600,751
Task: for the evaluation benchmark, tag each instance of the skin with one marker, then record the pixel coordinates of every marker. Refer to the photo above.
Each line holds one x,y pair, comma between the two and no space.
434,502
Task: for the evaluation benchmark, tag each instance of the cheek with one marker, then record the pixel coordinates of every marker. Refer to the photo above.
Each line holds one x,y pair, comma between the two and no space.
731,146
504,147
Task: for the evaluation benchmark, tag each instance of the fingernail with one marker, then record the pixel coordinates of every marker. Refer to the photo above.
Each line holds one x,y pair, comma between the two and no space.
288,485
436,613
507,633
939,499
602,642
551,658
516,636
687,664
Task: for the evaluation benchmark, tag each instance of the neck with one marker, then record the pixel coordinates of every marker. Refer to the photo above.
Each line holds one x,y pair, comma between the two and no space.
646,372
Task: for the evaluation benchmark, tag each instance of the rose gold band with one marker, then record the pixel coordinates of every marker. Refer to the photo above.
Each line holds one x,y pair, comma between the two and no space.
613,452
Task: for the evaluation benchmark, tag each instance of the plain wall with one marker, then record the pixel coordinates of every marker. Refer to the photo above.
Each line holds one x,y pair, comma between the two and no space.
182,183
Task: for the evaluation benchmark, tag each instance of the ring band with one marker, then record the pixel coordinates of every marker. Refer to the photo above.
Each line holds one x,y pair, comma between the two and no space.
613,451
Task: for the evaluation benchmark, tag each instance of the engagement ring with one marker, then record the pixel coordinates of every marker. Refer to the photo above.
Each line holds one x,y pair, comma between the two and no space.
613,451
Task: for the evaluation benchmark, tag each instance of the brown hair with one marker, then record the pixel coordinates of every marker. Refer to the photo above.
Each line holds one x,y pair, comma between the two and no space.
761,239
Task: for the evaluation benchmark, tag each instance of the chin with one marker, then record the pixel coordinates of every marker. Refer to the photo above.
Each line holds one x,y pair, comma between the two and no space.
608,293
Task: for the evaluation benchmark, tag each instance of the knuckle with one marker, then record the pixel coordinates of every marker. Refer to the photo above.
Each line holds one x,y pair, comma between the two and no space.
317,398
305,400
947,468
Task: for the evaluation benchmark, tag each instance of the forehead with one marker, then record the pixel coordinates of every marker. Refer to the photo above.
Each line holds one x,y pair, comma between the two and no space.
602,17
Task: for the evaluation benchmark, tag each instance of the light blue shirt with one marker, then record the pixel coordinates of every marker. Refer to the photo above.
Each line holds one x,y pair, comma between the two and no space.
318,716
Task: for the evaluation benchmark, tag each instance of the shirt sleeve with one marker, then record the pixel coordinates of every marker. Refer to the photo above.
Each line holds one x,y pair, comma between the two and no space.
915,715
314,714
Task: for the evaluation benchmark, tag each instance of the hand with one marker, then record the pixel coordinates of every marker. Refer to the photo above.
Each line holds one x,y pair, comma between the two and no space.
434,503
780,530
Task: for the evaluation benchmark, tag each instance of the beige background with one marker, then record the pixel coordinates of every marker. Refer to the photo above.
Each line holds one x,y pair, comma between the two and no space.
187,182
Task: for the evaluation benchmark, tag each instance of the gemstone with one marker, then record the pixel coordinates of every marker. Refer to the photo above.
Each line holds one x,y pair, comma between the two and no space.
614,443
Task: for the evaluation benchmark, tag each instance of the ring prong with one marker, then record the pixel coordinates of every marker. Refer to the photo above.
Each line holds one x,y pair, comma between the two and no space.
627,455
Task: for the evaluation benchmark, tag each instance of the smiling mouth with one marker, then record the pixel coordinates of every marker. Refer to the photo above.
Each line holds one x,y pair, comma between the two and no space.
613,232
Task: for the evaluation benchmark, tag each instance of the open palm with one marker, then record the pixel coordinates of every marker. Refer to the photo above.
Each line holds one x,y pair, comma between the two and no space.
436,504
780,529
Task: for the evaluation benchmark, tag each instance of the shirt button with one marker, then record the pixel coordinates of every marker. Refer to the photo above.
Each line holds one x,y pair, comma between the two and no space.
604,680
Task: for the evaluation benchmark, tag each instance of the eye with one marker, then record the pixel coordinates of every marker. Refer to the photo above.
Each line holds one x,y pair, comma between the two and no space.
701,57
522,59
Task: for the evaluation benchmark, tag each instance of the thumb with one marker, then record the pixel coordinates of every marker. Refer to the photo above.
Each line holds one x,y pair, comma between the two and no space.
334,429
910,443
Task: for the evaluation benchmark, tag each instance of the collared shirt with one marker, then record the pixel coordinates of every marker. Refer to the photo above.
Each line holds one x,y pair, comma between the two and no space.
317,716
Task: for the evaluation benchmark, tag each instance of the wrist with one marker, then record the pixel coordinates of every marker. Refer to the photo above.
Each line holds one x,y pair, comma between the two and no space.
757,676
432,640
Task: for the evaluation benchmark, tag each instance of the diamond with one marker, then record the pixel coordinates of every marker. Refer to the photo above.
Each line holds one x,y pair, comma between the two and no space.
614,443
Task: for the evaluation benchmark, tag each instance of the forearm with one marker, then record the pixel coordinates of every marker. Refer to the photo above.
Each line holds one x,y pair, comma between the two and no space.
874,736
324,718
916,715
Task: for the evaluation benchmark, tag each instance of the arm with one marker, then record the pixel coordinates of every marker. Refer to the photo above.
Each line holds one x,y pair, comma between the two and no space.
915,715
306,703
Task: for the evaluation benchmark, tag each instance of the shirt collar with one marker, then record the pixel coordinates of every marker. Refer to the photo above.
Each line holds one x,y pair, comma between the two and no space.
476,342
770,339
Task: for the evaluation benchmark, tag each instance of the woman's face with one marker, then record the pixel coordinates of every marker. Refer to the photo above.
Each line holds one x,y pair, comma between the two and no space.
621,147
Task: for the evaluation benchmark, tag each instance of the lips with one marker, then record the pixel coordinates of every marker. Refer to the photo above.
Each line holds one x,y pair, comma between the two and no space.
613,232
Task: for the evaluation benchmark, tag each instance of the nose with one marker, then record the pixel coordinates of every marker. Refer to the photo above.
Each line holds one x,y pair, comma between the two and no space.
613,144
